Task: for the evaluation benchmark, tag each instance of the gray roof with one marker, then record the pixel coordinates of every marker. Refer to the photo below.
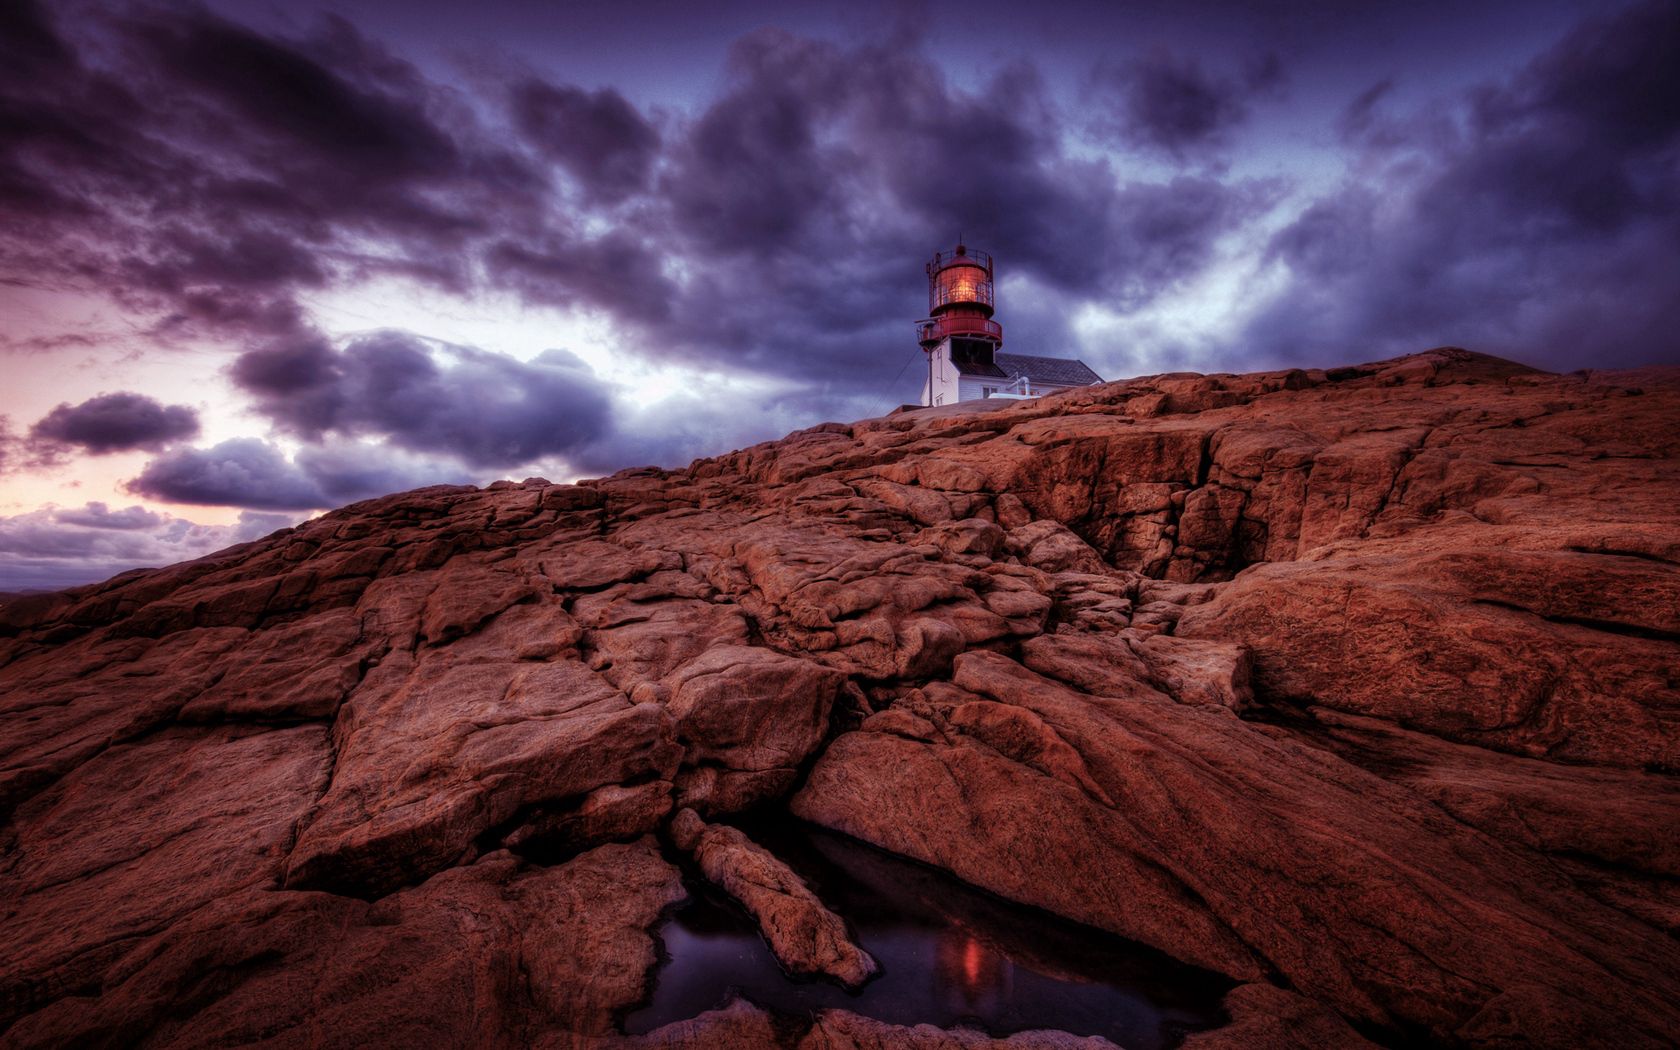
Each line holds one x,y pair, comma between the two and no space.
1052,371
975,368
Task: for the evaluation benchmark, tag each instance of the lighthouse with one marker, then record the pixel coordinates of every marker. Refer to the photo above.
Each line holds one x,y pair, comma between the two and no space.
959,330
963,343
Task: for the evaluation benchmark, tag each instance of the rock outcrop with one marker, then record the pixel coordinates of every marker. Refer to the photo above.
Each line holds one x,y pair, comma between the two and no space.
494,953
1360,687
740,1024
806,937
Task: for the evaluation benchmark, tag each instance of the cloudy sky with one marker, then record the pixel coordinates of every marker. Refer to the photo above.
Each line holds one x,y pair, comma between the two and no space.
261,258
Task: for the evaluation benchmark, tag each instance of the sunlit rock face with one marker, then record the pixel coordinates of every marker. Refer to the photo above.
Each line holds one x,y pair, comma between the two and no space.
1357,689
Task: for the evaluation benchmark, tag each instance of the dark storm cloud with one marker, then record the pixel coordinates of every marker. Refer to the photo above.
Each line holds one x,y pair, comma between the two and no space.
1361,115
600,138
614,271
251,473
1171,103
348,471
214,177
1545,229
113,423
488,409
243,472
9,445
808,195
212,174
204,173
97,515
341,99
1168,231
751,175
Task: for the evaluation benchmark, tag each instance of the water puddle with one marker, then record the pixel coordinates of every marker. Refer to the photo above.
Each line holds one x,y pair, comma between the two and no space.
951,955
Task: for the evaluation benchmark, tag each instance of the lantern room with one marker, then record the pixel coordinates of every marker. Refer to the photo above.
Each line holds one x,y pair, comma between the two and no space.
960,278
960,298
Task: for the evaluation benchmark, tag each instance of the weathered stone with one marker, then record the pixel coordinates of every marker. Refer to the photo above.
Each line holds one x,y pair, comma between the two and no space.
607,814
1053,547
1413,639
142,837
751,711
1186,828
736,1026
844,1030
431,753
302,670
1266,1017
488,954
806,937
1190,671
974,536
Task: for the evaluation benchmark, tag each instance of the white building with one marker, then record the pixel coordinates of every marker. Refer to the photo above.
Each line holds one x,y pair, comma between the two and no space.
970,369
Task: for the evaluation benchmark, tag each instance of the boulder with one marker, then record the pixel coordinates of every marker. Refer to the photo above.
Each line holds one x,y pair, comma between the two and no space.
434,750
748,717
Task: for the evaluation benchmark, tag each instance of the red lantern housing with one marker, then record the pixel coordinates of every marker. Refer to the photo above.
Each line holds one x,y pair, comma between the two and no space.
960,299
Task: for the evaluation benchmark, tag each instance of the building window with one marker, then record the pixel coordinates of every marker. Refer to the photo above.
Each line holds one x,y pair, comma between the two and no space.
987,391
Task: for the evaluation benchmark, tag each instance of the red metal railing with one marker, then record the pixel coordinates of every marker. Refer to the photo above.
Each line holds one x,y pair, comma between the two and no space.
943,259
933,329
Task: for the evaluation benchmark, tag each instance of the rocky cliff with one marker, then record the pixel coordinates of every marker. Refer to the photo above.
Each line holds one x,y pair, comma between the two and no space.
1360,687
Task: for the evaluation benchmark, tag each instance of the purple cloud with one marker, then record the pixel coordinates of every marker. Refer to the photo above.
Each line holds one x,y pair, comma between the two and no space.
1172,104
243,472
1544,229
97,515
212,178
110,423
254,474
55,547
490,410
598,137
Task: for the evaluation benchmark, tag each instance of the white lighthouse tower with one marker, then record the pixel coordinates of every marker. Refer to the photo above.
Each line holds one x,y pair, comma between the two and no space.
959,330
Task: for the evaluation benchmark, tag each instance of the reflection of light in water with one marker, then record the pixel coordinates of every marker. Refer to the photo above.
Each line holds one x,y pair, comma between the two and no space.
971,961
949,955
968,976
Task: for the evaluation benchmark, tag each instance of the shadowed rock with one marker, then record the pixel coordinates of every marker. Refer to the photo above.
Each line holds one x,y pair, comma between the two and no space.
1235,848
740,1024
488,954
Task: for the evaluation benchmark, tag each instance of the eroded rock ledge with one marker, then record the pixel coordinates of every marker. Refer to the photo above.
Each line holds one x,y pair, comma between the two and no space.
805,936
1360,687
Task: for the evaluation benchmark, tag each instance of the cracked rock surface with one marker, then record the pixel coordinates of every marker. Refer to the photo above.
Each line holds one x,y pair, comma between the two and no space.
1360,687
